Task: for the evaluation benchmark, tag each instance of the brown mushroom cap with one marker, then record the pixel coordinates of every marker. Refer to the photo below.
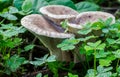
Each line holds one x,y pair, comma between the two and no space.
58,11
37,24
92,16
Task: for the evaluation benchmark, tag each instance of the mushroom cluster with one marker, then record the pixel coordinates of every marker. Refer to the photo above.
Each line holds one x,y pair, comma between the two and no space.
47,28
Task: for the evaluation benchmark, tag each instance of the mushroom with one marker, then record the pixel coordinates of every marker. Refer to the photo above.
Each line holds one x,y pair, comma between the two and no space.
47,34
58,13
84,17
78,23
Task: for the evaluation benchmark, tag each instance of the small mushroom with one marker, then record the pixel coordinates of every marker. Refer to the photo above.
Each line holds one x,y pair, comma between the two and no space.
85,17
47,34
58,13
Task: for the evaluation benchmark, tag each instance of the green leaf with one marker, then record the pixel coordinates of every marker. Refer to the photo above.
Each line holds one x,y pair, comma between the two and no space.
82,50
84,31
5,4
111,41
18,3
64,24
37,4
37,63
27,5
8,16
11,17
101,54
4,15
51,58
68,3
88,48
108,21
29,47
41,61
13,10
70,47
94,45
111,57
16,41
86,6
117,53
68,44
61,45
10,30
101,69
72,41
100,72
118,69
105,30
90,73
71,75
105,62
107,74
87,38
101,46
10,42
54,66
45,76
14,63
1,37
97,25
104,72
118,41
39,75
6,57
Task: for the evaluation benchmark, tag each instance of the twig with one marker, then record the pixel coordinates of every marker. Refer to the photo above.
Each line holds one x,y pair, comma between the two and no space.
34,73
30,54
109,8
117,11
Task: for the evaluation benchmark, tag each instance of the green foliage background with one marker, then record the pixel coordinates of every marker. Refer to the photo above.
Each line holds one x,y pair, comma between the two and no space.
15,42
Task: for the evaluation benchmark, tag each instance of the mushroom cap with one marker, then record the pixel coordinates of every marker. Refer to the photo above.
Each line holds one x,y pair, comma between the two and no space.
38,25
91,16
58,11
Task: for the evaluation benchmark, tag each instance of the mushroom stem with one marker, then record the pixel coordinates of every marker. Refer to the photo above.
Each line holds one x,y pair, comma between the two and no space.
51,44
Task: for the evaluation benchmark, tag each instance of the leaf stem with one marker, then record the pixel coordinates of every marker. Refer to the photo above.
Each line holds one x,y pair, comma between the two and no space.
94,62
117,63
2,21
87,61
31,52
